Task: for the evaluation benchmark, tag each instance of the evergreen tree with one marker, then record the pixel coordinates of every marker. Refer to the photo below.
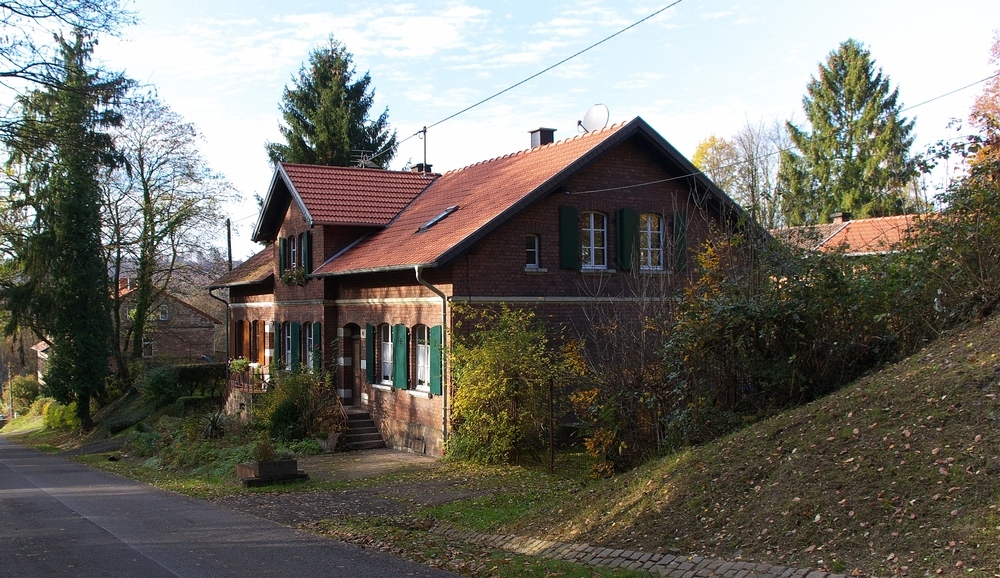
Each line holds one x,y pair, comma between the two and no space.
62,290
326,114
856,157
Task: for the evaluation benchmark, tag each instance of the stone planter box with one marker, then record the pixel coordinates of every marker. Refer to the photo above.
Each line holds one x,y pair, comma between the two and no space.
259,473
329,443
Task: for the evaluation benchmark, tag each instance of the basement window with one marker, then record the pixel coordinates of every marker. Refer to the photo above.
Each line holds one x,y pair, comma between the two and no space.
438,218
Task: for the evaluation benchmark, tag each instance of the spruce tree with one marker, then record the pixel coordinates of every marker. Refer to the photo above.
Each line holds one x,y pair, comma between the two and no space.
326,115
62,289
855,158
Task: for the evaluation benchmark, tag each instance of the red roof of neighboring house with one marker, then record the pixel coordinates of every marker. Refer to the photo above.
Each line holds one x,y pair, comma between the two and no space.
853,237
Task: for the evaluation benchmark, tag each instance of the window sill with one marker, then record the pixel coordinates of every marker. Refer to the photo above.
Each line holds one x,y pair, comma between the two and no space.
535,270
418,393
597,271
382,387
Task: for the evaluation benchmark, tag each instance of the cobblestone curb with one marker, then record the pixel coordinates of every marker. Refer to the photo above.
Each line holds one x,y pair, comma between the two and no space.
657,563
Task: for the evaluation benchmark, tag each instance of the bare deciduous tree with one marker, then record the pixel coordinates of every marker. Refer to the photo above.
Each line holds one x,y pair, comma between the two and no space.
161,208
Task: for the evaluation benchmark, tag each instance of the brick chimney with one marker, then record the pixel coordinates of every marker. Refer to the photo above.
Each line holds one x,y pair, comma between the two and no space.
841,217
542,136
421,168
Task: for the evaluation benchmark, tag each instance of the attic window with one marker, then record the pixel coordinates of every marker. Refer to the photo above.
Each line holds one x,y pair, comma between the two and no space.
438,218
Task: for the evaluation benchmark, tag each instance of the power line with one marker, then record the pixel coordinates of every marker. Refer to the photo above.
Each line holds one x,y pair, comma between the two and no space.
535,75
940,96
774,152
563,61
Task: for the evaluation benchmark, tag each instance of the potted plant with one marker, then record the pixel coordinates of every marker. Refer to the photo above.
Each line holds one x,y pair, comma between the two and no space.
240,364
268,466
296,276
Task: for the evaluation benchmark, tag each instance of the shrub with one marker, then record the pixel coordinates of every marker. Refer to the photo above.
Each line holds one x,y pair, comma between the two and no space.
164,385
312,396
59,416
161,385
24,390
286,422
503,367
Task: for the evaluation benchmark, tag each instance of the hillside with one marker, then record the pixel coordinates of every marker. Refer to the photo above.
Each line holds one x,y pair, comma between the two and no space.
897,473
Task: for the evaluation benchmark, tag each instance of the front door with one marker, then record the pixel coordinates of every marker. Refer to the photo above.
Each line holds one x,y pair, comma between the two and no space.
355,366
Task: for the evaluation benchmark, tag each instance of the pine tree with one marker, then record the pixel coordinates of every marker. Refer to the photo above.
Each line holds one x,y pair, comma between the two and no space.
856,157
62,290
326,115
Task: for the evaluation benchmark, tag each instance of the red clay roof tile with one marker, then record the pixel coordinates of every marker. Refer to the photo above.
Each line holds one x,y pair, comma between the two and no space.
482,192
854,237
352,195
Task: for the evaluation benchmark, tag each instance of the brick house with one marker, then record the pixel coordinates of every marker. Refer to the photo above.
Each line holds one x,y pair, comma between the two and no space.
364,265
176,331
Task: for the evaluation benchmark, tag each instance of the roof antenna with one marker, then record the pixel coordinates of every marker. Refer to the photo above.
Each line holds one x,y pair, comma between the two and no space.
363,159
596,118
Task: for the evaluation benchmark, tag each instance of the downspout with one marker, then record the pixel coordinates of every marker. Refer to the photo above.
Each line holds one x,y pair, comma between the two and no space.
228,323
444,349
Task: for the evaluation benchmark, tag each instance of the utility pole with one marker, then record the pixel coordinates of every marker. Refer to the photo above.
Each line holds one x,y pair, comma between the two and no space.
229,242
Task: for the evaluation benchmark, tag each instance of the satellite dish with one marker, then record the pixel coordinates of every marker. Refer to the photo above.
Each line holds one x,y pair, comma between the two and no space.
595,119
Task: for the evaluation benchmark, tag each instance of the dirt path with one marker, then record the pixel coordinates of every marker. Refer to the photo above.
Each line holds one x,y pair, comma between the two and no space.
380,498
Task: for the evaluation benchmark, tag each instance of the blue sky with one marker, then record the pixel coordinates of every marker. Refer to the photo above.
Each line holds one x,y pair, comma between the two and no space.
702,67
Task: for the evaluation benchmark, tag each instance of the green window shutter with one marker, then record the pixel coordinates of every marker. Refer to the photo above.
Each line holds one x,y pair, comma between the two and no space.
437,355
317,329
400,357
276,344
627,227
281,256
370,352
569,238
680,241
295,330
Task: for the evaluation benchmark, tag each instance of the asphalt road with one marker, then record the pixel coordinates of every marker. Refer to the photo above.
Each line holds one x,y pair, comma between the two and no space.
62,519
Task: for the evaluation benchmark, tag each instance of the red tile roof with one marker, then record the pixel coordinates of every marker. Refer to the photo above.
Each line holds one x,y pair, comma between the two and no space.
855,237
254,270
485,194
352,195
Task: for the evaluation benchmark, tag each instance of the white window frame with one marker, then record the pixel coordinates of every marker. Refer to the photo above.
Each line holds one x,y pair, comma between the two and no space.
650,256
164,312
422,341
307,334
286,344
532,252
385,353
293,254
593,240
148,343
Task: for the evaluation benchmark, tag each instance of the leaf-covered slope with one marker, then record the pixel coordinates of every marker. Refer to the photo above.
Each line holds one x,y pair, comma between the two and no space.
900,469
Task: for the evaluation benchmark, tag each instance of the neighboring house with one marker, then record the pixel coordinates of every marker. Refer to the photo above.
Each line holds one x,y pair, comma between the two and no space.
176,331
852,237
41,350
365,265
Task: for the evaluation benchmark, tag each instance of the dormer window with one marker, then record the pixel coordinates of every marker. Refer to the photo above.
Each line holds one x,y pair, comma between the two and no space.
438,218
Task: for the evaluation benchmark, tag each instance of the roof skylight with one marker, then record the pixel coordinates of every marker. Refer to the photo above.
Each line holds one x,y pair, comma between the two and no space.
438,218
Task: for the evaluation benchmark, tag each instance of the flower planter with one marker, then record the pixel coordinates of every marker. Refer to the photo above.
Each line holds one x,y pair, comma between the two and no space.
258,473
329,443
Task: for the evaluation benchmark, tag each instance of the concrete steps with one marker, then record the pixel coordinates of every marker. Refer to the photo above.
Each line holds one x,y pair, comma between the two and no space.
361,434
